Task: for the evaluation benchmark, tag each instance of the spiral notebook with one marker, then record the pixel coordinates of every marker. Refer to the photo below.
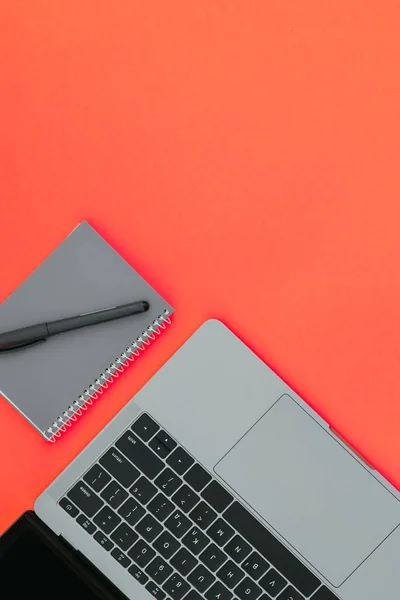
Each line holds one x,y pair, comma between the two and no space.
52,384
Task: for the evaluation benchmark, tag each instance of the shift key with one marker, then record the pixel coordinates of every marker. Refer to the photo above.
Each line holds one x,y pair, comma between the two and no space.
140,455
85,499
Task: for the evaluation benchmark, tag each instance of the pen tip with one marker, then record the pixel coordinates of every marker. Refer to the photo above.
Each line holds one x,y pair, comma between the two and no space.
146,305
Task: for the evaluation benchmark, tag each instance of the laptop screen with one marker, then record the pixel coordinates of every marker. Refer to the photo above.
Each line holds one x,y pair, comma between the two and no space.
30,567
36,563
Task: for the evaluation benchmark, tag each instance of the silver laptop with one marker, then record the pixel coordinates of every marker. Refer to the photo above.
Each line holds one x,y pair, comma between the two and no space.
218,482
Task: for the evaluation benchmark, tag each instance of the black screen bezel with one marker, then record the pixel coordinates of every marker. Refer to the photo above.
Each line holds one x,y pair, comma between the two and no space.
72,558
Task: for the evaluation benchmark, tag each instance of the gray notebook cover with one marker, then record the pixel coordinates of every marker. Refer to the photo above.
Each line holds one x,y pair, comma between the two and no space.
47,383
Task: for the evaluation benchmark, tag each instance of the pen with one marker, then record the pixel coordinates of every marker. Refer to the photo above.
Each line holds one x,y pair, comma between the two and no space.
27,336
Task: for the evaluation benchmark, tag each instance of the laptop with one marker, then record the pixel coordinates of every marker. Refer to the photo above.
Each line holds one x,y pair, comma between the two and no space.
218,482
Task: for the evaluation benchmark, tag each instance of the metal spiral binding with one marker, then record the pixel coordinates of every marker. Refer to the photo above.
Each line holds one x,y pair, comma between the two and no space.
111,373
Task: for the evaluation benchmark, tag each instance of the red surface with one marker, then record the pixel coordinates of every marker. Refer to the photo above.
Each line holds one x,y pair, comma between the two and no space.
244,157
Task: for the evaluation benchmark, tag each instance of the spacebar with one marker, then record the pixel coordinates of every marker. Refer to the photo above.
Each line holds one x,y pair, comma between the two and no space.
271,549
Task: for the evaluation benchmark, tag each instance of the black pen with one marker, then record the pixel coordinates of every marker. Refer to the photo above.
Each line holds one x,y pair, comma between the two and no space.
27,336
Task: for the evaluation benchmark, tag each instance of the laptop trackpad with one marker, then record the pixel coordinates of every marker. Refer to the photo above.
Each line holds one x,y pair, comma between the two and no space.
311,490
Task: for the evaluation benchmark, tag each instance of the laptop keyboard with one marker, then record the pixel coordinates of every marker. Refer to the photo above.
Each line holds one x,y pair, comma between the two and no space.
177,530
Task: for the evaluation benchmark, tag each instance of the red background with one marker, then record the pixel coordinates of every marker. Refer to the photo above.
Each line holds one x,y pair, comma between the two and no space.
244,157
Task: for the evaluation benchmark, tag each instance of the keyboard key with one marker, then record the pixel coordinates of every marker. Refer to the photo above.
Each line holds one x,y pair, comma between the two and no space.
197,477
195,540
271,549
141,553
185,498
85,499
203,515
184,562
140,455
290,593
166,545
178,524
145,427
158,570
107,520
69,507
201,578
166,440
180,461
218,592
168,482
217,496
121,558
86,524
255,565
97,478
230,574
248,590
120,468
176,587
138,574
220,532
272,583
131,511
193,595
159,448
160,507
237,549
155,591
103,541
149,528
114,494
324,594
213,557
124,536
143,490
